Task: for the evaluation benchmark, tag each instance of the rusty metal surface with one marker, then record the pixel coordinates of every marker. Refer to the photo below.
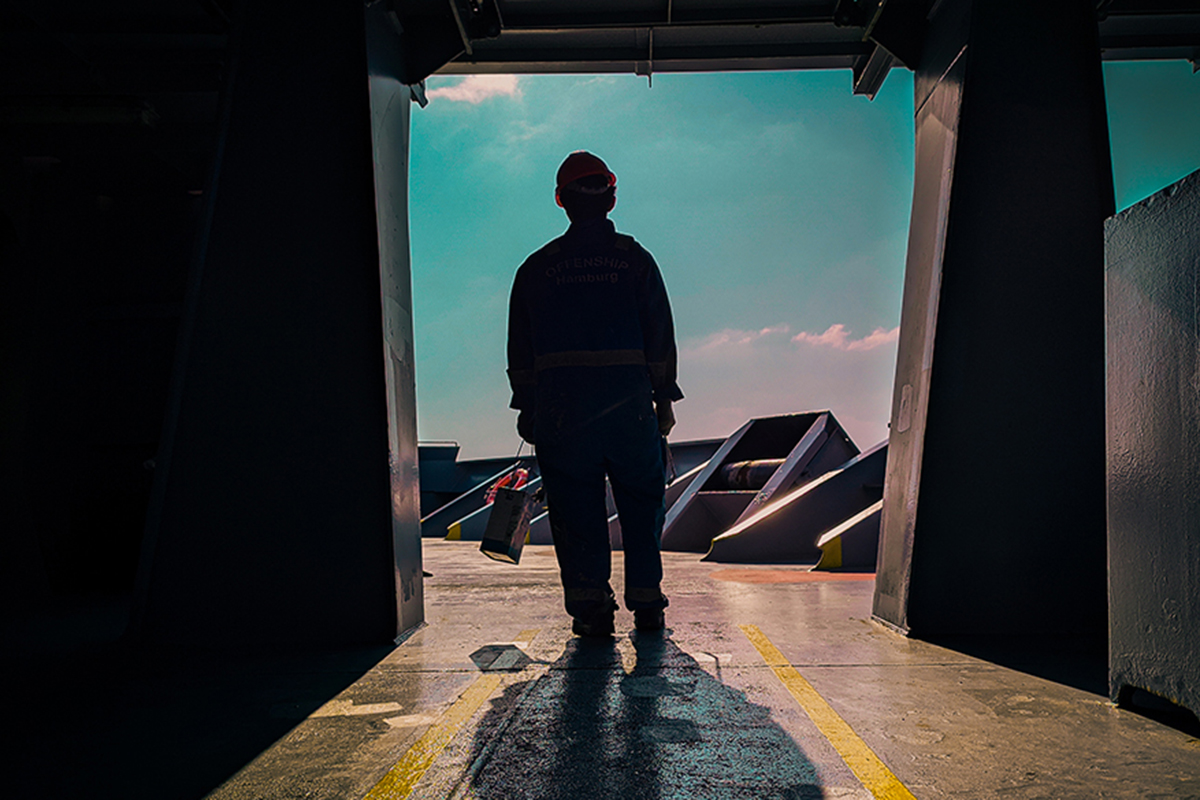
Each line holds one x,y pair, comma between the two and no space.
749,474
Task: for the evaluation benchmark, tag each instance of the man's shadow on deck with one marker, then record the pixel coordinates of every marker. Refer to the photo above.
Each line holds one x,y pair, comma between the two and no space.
667,728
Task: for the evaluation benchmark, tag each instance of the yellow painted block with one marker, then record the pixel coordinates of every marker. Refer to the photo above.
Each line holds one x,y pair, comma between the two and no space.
831,554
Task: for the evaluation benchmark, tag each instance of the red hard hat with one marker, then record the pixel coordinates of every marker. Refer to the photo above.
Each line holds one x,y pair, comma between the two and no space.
581,164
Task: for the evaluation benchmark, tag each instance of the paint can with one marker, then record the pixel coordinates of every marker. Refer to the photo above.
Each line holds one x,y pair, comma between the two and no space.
508,525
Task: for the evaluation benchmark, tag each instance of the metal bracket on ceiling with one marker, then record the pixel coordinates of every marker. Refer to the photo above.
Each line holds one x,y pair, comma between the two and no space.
870,71
849,14
649,71
462,29
416,92
650,62
647,67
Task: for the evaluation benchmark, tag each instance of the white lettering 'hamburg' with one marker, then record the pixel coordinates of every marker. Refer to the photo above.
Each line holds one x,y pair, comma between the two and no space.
588,277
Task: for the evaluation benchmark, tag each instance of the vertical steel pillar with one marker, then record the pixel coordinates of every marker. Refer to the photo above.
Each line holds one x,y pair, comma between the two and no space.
271,521
993,520
390,106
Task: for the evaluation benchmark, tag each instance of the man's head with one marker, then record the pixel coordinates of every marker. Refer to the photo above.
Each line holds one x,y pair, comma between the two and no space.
586,188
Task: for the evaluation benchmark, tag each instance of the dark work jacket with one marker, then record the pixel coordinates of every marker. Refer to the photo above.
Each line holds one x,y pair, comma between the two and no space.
591,302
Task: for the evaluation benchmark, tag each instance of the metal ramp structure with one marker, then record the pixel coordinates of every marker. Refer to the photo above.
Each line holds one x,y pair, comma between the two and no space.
824,509
791,488
764,494
471,527
539,528
854,544
444,477
764,457
437,522
465,516
541,533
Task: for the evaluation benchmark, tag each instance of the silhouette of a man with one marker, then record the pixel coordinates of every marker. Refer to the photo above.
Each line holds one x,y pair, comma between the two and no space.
592,364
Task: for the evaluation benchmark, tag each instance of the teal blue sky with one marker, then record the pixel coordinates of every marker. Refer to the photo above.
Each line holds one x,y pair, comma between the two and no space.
776,204
1153,125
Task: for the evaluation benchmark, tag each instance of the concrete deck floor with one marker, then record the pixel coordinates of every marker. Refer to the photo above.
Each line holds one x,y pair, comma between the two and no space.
494,698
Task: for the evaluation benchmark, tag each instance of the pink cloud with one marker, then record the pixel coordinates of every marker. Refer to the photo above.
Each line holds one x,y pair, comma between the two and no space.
475,89
837,337
732,375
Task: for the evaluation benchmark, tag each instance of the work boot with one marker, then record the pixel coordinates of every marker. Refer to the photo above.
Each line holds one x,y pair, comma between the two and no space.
648,619
599,624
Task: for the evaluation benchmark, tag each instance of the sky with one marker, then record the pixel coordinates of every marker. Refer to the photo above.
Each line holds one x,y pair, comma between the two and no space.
776,205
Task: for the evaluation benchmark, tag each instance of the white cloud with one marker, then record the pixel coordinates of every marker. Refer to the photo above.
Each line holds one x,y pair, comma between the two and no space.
475,89
730,337
837,337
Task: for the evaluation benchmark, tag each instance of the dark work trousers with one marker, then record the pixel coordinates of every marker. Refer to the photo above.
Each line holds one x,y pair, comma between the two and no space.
593,422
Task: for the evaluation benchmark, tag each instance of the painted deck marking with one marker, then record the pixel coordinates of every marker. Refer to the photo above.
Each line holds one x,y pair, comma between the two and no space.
401,779
861,760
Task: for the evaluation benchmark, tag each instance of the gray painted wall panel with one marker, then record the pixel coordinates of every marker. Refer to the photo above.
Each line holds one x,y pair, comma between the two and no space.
1153,444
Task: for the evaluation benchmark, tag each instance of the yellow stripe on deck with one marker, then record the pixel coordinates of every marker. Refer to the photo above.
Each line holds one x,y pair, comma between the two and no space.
401,779
861,760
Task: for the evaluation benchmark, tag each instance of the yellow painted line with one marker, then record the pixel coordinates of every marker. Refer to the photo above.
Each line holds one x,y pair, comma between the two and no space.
401,779
862,761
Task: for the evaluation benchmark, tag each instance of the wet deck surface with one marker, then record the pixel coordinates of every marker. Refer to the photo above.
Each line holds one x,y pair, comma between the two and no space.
698,713
494,698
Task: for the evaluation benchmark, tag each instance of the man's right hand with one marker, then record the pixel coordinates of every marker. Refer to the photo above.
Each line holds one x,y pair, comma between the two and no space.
525,425
666,416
